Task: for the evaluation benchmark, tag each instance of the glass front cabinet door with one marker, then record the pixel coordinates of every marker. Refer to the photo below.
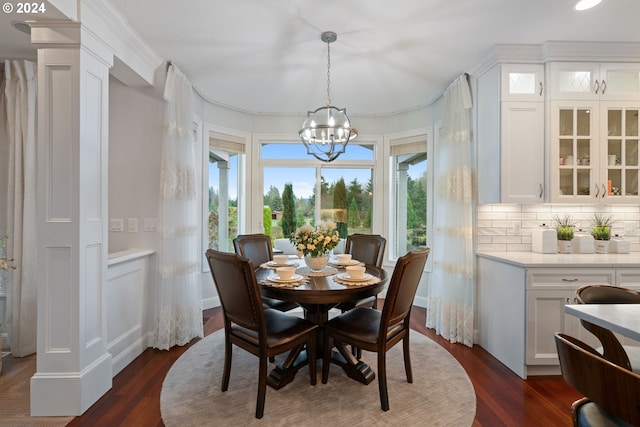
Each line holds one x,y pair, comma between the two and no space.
595,152
619,153
574,163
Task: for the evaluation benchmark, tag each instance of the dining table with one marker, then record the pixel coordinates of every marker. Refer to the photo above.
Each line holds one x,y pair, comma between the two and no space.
317,292
621,318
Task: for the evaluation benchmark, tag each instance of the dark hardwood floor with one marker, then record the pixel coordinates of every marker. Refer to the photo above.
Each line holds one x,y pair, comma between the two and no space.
502,398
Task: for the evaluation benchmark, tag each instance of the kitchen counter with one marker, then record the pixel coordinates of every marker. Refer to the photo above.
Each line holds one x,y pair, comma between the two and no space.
533,259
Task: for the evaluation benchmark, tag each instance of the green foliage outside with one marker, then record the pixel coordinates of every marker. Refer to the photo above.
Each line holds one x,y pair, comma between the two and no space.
300,221
340,207
266,220
354,216
273,200
288,220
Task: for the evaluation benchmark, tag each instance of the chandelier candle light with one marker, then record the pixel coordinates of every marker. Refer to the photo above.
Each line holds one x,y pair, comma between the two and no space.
327,130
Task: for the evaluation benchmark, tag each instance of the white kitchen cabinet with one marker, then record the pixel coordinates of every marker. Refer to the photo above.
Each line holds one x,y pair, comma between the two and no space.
521,298
548,290
594,156
510,100
593,80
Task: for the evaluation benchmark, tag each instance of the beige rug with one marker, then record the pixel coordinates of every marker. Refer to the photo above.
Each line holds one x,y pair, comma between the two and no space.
441,393
15,396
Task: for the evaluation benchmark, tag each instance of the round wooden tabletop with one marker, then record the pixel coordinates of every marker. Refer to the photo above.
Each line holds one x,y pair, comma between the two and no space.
323,289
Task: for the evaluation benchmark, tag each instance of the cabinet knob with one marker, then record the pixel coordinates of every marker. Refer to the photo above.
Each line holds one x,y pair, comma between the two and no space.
596,86
574,279
597,191
604,87
541,191
541,87
604,191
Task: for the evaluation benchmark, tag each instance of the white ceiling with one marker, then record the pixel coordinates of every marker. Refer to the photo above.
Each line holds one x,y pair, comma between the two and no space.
267,57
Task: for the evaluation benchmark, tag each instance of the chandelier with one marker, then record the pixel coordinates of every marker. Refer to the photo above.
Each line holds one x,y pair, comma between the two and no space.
327,130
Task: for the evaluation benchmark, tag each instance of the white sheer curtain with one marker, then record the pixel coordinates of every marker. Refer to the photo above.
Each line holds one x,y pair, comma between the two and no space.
19,122
178,317
451,287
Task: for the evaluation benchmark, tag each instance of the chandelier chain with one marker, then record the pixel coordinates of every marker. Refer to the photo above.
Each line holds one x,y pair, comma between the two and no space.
328,73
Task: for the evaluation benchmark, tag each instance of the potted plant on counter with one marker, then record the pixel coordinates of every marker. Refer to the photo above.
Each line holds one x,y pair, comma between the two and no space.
564,229
601,232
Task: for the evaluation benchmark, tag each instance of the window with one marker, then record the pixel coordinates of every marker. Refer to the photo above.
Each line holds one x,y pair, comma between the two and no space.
224,208
300,190
409,188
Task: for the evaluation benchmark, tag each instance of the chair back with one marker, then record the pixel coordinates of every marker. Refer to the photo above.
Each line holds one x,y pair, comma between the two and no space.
368,248
615,389
606,294
613,350
237,288
402,288
256,247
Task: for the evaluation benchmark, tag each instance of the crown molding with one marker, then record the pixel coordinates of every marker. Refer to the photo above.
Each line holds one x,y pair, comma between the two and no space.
509,53
591,51
138,62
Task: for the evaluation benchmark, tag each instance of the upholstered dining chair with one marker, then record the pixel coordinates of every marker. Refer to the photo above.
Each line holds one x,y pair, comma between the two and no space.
369,249
377,331
612,393
626,356
261,331
257,247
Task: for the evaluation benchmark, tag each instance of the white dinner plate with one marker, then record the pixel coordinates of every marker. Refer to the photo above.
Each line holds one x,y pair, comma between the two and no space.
346,277
286,264
351,262
275,278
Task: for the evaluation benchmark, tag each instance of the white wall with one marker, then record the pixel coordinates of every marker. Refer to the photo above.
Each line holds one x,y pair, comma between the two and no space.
135,138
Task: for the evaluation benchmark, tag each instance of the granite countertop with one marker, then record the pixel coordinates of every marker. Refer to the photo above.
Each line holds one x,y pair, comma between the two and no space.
533,259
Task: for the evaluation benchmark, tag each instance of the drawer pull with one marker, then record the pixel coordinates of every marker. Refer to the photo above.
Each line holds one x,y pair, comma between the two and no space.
570,280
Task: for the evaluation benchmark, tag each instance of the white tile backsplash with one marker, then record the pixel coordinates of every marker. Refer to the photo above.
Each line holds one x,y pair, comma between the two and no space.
508,228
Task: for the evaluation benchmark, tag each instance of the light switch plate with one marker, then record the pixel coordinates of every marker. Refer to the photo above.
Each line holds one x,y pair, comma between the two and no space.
116,224
150,224
132,225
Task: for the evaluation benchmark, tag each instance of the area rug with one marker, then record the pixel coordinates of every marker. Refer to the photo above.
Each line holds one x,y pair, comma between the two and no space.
441,393
15,400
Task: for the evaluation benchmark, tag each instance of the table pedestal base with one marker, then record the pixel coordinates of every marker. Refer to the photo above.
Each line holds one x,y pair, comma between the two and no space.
355,369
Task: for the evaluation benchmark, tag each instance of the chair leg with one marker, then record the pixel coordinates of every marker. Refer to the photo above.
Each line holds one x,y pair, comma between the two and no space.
227,364
357,352
407,359
311,354
262,387
382,380
326,358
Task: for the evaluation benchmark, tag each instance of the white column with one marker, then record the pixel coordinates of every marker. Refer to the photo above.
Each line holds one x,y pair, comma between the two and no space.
401,208
223,205
74,368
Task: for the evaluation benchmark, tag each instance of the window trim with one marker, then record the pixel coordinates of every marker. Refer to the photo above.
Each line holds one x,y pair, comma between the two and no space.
257,184
238,137
407,138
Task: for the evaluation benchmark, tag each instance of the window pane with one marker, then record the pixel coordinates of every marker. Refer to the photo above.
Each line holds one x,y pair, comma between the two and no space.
297,150
223,199
276,214
410,220
346,199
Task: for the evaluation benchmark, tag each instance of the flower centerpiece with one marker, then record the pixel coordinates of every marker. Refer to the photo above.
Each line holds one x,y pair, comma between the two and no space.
316,243
564,231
